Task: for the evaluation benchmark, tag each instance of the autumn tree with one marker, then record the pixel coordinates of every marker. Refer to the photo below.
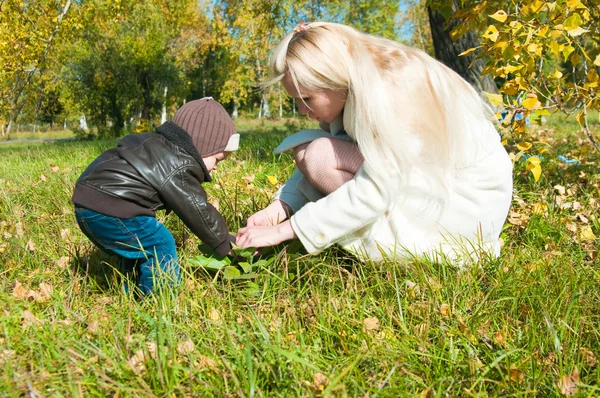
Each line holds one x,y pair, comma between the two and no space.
30,33
452,49
545,54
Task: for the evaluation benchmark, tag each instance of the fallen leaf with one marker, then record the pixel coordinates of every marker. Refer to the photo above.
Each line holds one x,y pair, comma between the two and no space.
205,362
427,393
370,324
29,319
185,347
63,262
136,362
445,310
65,233
272,180
516,374
567,384
30,246
540,208
320,381
93,328
46,290
588,357
587,234
560,189
214,316
19,229
499,337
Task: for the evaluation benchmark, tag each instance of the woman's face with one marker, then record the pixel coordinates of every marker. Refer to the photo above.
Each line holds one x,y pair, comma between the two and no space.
324,105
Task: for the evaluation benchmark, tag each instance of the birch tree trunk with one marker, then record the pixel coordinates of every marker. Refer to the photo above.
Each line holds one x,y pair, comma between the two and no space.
163,116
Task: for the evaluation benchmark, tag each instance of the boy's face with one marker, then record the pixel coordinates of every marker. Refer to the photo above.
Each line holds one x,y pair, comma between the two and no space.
212,160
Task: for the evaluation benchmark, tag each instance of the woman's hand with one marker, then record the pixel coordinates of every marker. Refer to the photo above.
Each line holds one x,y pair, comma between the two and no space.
273,214
263,236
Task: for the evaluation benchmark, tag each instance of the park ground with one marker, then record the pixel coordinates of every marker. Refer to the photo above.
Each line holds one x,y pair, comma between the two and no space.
525,324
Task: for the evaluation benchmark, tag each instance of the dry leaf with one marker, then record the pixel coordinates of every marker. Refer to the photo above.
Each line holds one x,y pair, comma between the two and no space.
6,355
54,168
445,310
518,219
93,328
214,316
587,234
19,229
499,337
63,262
43,177
136,362
540,208
185,347
65,233
427,393
46,290
320,381
516,374
29,319
370,324
560,189
588,357
568,383
19,291
205,362
30,246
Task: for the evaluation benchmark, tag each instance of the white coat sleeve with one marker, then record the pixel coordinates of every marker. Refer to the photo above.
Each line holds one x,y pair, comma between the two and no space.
357,203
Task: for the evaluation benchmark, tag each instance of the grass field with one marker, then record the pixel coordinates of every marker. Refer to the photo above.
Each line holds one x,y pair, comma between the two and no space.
526,324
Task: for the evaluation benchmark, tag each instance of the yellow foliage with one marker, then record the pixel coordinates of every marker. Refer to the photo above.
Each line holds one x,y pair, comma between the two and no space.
491,33
524,145
469,51
495,99
577,31
531,103
499,15
533,165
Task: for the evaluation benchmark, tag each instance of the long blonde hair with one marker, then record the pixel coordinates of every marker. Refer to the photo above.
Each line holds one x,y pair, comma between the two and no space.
406,110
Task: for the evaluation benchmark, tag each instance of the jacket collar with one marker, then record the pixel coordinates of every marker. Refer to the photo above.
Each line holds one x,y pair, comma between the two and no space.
182,139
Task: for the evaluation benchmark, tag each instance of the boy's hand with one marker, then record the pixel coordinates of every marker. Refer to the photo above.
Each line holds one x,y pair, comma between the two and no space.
263,236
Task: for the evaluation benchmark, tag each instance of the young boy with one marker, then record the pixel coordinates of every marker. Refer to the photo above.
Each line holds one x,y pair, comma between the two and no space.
117,196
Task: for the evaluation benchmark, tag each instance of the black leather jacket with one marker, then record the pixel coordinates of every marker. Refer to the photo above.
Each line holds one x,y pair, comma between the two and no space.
148,172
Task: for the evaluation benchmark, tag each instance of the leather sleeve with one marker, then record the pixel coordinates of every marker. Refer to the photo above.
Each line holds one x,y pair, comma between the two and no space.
183,193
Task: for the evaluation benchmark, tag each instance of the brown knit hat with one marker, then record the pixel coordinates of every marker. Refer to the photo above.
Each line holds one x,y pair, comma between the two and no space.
209,125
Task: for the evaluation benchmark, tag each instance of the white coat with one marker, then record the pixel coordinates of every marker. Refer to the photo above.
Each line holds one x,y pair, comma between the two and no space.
356,217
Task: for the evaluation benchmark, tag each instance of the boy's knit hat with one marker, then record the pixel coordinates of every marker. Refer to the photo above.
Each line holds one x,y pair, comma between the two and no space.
209,125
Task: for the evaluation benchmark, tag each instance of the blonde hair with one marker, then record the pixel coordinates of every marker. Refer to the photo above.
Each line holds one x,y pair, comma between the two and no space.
406,110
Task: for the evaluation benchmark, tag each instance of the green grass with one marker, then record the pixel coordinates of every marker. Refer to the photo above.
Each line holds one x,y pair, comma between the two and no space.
515,326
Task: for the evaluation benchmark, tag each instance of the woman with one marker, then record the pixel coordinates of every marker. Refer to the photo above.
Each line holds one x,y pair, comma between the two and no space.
407,161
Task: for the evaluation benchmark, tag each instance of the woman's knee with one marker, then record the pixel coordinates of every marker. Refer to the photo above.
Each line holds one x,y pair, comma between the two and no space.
319,156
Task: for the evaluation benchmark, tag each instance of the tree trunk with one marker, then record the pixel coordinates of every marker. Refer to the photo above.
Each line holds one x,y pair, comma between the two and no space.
280,104
234,114
265,104
446,51
163,116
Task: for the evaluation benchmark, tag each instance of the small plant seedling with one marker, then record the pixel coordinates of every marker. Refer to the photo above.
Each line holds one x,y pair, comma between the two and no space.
238,268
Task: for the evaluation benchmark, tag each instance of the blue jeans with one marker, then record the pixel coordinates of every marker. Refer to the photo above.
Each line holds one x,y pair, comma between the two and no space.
141,242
